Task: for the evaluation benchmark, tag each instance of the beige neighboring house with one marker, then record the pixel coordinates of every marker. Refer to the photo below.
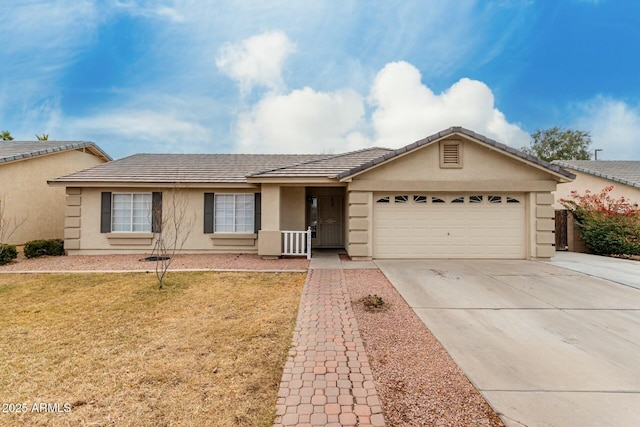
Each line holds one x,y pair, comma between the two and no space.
455,194
593,175
25,167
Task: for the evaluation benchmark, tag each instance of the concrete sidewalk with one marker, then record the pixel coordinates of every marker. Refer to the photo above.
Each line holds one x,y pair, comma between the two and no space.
327,380
623,271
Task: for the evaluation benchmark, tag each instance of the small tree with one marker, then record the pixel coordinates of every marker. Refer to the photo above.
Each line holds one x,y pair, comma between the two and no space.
43,137
608,226
173,227
560,144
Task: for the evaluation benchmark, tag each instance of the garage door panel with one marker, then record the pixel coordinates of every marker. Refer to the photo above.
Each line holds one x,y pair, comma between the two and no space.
449,230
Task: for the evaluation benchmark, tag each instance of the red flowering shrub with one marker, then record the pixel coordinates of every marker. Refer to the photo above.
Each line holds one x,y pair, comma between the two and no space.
608,226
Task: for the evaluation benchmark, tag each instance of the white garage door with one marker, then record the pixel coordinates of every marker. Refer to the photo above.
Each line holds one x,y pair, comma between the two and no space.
449,226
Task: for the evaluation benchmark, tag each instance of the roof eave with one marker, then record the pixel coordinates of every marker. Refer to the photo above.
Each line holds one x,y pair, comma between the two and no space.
323,180
88,146
147,184
98,152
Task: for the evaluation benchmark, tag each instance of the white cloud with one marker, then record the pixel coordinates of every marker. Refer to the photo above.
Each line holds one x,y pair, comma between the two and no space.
303,121
143,130
404,111
614,127
256,61
407,110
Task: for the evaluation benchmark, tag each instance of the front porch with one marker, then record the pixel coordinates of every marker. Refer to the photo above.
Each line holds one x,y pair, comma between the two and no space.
297,218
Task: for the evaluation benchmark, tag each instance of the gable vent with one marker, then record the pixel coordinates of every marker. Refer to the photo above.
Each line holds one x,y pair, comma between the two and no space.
451,154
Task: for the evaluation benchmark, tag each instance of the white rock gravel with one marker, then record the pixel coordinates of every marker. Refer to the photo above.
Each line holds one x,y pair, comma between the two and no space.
135,262
417,381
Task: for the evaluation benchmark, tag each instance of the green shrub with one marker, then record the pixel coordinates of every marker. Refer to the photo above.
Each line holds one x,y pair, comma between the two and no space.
7,253
610,234
37,248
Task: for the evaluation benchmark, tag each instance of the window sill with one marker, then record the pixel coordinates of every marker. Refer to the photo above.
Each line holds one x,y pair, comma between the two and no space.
234,239
234,236
130,238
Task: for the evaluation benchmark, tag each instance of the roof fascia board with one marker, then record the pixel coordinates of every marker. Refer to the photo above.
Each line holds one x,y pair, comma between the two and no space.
129,184
292,180
97,151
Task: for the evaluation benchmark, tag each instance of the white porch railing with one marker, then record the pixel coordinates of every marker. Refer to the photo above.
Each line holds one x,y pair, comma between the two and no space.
297,243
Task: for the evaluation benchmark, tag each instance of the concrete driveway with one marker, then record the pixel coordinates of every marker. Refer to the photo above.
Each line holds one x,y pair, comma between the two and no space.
545,345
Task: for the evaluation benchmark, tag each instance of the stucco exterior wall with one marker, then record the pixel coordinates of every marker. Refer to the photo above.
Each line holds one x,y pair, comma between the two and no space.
543,217
292,208
359,224
483,170
28,197
594,184
83,236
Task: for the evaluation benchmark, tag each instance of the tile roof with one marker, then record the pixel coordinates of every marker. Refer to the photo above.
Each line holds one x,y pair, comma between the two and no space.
329,167
623,171
11,151
453,130
187,168
236,168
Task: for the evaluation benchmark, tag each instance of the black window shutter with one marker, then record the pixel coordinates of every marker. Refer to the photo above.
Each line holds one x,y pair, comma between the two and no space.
156,212
208,212
257,218
105,212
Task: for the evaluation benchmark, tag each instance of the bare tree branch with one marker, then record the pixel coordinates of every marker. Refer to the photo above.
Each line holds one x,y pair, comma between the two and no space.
173,229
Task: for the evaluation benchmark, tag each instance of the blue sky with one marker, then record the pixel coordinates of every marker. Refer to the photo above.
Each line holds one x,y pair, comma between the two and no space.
317,76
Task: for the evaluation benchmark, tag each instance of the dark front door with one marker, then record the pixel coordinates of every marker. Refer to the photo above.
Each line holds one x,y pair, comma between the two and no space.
330,221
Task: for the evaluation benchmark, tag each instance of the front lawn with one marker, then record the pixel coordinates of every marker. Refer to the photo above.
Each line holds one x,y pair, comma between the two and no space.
110,349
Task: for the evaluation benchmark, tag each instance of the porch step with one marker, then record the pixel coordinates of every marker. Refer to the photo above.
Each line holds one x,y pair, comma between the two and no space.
325,261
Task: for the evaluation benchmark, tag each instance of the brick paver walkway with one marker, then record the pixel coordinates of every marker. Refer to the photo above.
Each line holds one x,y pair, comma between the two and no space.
327,380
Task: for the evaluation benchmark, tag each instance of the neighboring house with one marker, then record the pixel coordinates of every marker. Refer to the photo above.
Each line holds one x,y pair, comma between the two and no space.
455,194
593,175
25,167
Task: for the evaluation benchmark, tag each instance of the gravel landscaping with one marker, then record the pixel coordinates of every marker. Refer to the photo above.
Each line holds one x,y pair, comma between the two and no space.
137,263
417,381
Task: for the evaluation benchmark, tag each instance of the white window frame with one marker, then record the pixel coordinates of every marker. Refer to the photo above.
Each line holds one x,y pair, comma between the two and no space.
229,216
132,221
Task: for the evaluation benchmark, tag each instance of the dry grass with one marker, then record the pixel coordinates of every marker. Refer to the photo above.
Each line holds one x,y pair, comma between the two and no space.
208,350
